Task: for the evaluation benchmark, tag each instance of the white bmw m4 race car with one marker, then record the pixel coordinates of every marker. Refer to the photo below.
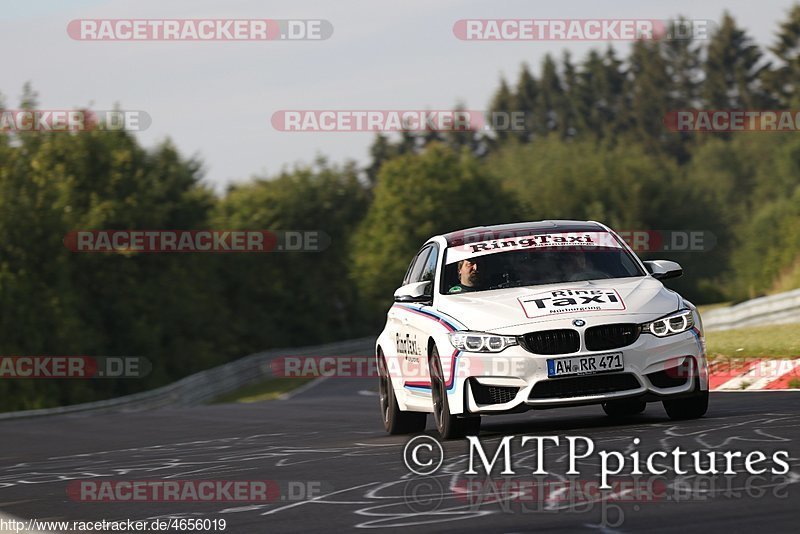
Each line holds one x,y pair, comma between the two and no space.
504,319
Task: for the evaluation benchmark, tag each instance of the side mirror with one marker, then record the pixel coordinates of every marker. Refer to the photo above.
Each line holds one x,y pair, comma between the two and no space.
663,269
414,292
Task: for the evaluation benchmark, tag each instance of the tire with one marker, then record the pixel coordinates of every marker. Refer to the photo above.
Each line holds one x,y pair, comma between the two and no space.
449,426
689,408
624,407
395,420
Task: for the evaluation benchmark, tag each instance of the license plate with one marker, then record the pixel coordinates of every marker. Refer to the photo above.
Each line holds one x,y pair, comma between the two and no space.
585,365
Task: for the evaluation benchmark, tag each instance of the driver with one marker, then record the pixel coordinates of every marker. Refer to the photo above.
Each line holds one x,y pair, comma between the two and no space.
574,266
468,277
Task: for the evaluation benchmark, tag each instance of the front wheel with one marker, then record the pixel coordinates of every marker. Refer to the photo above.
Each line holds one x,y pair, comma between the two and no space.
689,408
396,421
448,425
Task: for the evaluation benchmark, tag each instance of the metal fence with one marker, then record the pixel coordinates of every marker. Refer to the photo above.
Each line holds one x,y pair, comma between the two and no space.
782,308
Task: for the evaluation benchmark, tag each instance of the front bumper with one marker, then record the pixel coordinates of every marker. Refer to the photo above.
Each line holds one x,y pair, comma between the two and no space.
516,380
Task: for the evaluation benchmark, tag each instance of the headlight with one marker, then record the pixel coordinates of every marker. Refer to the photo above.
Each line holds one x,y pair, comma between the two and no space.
481,342
671,324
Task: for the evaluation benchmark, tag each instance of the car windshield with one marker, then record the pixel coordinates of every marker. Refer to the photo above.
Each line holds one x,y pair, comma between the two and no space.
536,260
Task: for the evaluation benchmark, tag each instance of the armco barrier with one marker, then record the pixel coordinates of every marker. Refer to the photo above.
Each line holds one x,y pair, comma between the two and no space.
782,308
206,385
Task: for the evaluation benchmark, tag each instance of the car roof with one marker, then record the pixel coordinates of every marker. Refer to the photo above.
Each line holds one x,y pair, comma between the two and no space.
459,237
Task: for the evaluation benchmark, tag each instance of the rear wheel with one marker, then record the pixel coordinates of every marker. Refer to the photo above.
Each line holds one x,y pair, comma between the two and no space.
396,421
689,408
624,407
449,426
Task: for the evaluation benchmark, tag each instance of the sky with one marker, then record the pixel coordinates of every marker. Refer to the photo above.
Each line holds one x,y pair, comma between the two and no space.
214,100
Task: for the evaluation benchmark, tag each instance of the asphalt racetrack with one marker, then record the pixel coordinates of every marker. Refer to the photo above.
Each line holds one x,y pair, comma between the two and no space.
337,470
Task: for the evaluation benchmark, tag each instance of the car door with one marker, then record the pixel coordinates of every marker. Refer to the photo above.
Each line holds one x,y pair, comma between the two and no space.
398,318
416,322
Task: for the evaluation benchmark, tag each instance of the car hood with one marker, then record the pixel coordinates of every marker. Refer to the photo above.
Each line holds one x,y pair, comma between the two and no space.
639,300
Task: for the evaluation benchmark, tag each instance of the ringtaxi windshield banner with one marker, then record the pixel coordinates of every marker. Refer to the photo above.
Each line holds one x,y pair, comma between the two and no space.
569,240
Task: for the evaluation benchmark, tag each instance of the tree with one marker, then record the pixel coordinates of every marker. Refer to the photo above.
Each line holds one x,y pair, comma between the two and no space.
784,79
649,88
525,101
294,298
380,151
465,138
571,87
598,91
683,66
734,66
102,304
503,102
551,99
418,196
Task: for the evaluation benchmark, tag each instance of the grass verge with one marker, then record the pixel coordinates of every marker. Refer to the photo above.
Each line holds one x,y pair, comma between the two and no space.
776,341
269,389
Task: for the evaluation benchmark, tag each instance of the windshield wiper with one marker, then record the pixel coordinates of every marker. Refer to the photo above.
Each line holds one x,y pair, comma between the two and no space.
506,285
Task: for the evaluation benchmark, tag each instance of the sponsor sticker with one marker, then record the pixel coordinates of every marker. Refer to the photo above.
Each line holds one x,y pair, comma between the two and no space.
559,301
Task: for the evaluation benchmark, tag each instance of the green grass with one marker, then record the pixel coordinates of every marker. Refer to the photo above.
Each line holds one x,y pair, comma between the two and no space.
794,383
778,341
269,389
